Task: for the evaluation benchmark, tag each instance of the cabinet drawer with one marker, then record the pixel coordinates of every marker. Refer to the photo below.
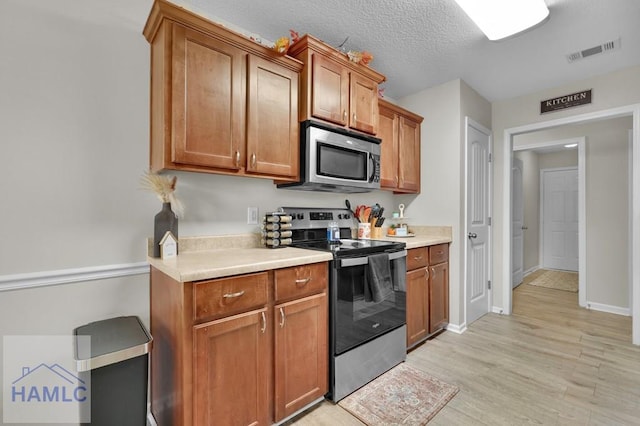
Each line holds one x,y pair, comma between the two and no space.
229,295
438,254
299,281
417,258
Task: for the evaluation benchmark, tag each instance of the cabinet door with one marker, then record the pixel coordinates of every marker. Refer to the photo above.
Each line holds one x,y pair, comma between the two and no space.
388,132
272,122
207,101
363,104
417,305
330,91
231,371
409,155
301,353
438,296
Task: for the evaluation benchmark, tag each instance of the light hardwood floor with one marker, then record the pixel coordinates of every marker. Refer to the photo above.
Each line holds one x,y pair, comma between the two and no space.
549,363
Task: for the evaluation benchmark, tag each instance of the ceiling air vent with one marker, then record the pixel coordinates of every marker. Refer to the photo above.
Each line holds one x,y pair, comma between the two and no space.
595,50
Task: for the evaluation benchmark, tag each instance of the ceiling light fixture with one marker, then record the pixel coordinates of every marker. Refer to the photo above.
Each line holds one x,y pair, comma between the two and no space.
571,145
503,18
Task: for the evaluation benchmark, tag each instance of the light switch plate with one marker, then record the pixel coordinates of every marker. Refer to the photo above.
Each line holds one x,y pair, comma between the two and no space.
252,215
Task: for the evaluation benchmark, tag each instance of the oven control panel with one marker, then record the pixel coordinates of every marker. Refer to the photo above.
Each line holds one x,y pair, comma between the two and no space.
321,215
312,217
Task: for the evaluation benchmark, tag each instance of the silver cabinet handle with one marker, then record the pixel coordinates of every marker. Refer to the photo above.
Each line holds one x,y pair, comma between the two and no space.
354,117
253,160
344,114
303,281
524,228
417,257
281,318
264,323
472,235
232,295
238,158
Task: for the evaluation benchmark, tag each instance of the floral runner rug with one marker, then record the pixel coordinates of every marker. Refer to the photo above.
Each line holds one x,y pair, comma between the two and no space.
403,395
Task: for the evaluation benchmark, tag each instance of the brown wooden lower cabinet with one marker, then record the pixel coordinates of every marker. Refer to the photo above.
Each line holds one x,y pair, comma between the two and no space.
301,353
231,370
438,296
417,309
244,350
427,292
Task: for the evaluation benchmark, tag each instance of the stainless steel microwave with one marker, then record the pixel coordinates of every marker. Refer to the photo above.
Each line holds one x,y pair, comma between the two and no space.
336,160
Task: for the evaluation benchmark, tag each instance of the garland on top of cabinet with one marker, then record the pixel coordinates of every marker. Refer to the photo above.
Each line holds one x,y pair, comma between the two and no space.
283,43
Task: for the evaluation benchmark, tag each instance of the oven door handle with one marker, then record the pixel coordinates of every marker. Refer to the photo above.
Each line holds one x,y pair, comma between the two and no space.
357,261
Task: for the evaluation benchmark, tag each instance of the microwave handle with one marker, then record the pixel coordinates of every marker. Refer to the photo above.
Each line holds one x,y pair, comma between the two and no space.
357,261
373,171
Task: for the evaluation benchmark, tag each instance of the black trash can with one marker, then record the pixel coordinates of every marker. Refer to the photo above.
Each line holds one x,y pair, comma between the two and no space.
117,361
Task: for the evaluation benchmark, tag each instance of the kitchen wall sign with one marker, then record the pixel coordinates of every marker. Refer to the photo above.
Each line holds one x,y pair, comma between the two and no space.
566,101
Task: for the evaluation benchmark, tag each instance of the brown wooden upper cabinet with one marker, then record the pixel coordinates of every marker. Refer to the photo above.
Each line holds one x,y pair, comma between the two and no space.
400,149
220,103
334,89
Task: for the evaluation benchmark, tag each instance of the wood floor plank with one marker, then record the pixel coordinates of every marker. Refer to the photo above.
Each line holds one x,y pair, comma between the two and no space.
550,363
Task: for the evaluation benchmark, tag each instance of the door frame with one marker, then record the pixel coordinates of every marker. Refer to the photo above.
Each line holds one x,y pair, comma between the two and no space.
513,284
507,148
469,122
582,209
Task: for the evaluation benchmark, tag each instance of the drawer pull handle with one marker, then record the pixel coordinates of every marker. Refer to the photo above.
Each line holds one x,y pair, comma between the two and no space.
417,257
303,281
232,295
281,318
253,160
237,158
264,323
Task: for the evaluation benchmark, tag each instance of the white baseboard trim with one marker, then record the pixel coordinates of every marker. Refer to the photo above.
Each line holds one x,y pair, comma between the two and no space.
530,271
67,276
459,329
609,308
497,310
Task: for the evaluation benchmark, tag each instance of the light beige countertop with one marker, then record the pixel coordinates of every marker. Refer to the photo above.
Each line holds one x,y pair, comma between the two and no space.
424,236
217,263
202,258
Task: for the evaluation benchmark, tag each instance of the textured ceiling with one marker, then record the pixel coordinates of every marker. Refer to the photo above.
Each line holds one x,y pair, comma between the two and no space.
418,44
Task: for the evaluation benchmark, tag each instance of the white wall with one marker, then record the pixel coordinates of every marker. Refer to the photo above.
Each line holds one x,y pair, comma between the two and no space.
609,91
441,201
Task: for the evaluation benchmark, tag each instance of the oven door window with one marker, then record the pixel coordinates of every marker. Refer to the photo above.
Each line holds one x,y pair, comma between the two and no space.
358,320
341,163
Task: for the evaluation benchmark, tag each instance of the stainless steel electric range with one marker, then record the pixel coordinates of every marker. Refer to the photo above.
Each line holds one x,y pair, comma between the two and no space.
367,298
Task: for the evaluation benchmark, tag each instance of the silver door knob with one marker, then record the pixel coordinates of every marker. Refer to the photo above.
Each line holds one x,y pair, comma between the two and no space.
472,235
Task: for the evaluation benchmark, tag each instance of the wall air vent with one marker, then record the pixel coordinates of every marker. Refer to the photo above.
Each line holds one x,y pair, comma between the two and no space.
595,50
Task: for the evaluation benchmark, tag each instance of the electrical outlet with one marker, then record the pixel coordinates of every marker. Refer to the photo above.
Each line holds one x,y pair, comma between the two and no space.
252,215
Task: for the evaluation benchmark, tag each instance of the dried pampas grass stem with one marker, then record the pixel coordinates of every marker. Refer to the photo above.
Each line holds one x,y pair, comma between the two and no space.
164,187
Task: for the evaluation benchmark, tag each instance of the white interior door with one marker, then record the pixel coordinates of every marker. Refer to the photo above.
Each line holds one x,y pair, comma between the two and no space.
560,219
478,222
517,229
